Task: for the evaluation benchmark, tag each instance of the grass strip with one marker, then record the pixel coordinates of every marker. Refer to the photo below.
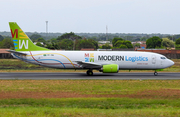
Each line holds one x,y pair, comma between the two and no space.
91,103
88,86
88,107
76,112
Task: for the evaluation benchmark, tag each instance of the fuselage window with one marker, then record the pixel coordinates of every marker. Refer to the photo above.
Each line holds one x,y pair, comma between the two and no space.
163,57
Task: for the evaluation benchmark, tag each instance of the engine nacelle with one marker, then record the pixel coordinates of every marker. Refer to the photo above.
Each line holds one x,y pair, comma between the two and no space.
111,68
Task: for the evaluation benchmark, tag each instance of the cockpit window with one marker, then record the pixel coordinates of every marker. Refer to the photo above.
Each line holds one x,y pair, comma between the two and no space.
163,57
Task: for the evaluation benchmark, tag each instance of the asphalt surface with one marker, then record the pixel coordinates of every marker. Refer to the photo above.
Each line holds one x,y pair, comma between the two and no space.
116,76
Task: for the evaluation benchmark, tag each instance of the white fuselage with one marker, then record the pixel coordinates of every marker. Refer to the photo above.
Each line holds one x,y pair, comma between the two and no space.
68,59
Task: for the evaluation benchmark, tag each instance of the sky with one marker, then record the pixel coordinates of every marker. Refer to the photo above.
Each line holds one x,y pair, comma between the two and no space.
92,16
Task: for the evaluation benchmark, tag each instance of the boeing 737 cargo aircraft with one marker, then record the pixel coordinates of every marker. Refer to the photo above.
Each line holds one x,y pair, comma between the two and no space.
103,61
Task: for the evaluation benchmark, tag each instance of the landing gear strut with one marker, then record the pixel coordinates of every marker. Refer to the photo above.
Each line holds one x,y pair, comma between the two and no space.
89,72
155,73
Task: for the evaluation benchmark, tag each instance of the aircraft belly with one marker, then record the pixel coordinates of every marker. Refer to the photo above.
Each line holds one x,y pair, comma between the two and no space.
126,65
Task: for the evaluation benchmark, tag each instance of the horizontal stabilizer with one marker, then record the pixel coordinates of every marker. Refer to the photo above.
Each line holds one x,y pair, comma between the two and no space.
12,51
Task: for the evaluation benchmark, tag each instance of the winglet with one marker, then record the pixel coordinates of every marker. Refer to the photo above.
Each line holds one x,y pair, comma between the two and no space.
21,41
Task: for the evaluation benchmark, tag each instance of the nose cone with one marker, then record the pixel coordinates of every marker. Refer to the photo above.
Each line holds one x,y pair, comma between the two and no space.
170,63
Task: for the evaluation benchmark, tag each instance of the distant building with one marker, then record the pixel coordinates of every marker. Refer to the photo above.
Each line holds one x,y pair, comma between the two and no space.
104,49
104,42
39,42
142,44
5,54
100,43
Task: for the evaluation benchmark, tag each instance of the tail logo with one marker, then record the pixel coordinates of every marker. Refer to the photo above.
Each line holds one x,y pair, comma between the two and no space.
23,43
19,38
15,33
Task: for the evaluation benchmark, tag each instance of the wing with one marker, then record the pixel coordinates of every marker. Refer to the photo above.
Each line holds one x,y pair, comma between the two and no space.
88,65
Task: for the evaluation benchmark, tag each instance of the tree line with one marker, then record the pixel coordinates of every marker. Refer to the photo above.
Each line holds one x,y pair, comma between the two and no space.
67,41
159,43
102,36
71,41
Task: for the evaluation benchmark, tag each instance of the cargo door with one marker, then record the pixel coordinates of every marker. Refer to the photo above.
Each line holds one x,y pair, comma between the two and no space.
153,59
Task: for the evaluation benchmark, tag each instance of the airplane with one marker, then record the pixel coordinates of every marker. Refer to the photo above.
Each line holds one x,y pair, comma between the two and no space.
103,61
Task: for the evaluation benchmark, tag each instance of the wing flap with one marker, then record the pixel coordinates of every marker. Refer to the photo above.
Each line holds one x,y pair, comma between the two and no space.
88,64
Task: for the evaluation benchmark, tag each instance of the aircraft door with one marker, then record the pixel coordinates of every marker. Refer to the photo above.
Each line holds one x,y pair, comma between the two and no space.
153,59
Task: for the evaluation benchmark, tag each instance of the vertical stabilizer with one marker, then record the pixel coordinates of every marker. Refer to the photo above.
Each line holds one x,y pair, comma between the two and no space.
21,41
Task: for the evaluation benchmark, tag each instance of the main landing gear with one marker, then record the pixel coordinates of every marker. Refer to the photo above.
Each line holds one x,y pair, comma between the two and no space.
155,73
89,72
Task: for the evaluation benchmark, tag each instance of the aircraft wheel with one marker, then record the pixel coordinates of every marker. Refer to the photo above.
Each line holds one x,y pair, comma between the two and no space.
155,73
89,73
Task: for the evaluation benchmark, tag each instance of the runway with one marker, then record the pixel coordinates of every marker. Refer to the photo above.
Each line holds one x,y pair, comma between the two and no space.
82,76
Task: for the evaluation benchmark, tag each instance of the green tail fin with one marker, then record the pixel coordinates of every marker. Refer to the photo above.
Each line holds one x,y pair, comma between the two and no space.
21,41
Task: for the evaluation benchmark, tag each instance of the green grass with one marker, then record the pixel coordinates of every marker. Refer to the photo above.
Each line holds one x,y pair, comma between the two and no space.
87,86
102,106
148,104
75,112
89,107
91,103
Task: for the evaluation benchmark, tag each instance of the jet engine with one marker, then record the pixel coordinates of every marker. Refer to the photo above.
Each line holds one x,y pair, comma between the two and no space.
111,68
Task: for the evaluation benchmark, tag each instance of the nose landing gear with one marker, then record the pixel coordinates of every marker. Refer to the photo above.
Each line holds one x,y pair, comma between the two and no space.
155,73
